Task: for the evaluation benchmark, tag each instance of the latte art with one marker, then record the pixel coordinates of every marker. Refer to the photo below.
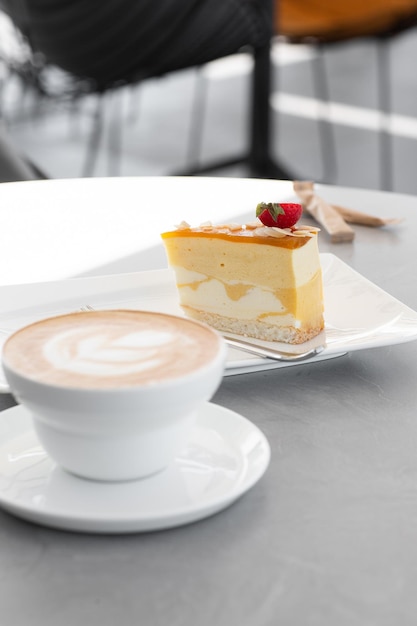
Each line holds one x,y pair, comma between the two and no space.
109,349
105,355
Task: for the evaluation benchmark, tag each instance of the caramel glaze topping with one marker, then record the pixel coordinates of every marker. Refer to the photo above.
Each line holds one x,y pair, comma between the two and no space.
291,238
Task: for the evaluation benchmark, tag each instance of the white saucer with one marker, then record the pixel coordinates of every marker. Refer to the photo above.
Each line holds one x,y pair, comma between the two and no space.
226,456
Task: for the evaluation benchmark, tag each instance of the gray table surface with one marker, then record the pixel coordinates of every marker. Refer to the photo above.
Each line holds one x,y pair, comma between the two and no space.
329,534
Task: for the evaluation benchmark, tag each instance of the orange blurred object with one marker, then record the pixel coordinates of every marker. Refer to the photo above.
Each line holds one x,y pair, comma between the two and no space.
333,20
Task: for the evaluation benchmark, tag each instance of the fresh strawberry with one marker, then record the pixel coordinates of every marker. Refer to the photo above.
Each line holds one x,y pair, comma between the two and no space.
283,215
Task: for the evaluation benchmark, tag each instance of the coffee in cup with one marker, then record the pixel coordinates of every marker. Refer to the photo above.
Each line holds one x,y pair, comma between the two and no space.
113,393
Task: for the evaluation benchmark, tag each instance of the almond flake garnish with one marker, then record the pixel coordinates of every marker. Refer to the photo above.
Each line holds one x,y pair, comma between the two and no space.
282,231
275,231
232,226
266,231
206,226
183,226
302,233
252,225
311,229
256,228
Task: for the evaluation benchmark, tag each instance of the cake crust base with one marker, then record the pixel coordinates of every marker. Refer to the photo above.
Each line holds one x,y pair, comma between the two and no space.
256,329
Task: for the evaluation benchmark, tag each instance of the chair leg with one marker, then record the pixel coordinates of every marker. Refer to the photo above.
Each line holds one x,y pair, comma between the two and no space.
115,138
198,110
384,98
95,137
326,131
260,160
260,114
13,167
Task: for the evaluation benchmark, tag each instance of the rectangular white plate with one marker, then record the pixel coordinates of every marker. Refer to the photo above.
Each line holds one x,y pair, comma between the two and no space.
358,314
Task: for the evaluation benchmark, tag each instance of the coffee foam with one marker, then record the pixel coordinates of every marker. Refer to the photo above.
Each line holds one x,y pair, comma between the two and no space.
101,349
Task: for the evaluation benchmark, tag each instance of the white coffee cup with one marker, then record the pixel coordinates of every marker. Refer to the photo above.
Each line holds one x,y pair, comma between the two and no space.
113,394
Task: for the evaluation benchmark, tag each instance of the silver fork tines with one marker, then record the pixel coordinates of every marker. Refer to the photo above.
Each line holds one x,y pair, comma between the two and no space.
272,353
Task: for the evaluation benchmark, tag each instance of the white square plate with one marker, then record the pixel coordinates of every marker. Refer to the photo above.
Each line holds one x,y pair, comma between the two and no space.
358,314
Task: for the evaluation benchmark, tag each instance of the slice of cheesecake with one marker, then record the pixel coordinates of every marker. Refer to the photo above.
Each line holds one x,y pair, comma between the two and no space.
250,279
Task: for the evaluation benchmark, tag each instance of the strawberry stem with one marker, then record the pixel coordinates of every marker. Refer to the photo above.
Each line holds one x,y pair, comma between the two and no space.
273,208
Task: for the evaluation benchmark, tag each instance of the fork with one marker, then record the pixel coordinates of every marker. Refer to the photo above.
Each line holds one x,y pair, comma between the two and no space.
272,353
260,351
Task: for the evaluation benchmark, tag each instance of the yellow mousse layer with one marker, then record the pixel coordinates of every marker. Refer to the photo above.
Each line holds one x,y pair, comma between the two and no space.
249,280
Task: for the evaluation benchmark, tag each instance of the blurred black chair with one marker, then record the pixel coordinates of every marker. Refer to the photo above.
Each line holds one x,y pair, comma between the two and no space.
51,48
